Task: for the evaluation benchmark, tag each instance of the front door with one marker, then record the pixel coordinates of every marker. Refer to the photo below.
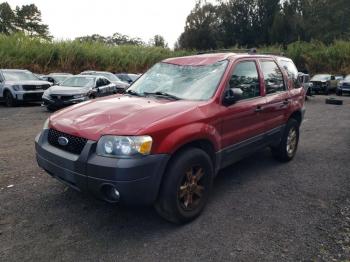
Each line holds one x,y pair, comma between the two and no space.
242,122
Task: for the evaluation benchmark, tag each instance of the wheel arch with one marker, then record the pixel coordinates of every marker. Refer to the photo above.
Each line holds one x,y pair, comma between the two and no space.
298,116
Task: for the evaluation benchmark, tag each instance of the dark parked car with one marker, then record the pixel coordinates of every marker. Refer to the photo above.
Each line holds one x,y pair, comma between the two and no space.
77,89
120,86
56,78
163,142
344,86
128,78
18,86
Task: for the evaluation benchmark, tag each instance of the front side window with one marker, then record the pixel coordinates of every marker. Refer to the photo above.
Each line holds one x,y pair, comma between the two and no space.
273,77
245,77
183,81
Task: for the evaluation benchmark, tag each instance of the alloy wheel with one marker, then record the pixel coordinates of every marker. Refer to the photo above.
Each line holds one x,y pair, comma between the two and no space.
191,191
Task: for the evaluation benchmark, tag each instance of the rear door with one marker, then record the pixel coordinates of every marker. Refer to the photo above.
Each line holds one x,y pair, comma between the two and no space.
242,122
277,96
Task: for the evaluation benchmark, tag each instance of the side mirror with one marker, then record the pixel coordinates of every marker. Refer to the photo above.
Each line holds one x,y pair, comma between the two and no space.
232,95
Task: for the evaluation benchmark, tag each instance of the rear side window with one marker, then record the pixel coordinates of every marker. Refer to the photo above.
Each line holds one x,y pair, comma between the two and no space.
291,70
245,77
273,77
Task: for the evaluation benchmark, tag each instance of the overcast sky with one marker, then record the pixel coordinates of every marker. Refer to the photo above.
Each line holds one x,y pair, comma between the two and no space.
68,19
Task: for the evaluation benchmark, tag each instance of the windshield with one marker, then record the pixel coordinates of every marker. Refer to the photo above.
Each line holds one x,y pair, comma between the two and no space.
184,82
78,81
124,78
60,78
321,78
19,75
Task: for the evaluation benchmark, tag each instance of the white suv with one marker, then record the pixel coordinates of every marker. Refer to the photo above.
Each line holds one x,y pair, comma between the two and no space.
20,86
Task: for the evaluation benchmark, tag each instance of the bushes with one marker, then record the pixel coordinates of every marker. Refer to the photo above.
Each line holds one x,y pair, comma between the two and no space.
18,51
317,57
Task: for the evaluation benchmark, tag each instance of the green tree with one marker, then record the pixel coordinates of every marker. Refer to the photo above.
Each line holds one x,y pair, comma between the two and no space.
7,19
28,20
201,27
158,41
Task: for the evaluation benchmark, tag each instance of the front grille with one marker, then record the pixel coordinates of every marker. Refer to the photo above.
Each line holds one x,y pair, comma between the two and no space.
75,144
60,97
32,96
35,87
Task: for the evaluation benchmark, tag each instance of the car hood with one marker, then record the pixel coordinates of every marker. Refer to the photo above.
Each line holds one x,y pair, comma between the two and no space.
28,82
67,90
116,115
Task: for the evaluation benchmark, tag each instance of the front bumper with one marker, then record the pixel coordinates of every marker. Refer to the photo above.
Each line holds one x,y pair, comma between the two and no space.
29,96
344,89
57,103
137,180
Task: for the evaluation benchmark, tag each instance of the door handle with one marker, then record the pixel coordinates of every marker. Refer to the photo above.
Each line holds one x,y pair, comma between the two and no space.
259,109
286,102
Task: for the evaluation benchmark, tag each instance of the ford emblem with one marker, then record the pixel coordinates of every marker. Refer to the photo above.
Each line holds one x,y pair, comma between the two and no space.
62,141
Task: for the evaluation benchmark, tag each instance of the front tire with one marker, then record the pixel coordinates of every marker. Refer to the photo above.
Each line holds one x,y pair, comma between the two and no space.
288,146
186,186
9,100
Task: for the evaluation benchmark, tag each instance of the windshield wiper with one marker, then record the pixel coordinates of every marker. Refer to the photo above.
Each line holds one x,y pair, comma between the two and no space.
162,94
133,93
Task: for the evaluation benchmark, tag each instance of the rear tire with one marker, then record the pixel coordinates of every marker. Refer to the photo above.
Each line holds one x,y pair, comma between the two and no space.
186,186
339,93
288,146
9,100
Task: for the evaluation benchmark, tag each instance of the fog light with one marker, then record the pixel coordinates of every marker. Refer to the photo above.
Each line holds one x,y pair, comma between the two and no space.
111,193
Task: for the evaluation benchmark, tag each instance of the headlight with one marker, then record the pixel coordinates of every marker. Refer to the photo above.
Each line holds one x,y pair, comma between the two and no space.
46,93
79,96
46,124
17,87
116,146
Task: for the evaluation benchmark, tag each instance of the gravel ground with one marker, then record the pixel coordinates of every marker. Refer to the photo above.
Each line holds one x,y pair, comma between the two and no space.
260,210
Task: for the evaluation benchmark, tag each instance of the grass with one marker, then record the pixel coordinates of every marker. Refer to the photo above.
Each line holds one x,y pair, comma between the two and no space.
19,51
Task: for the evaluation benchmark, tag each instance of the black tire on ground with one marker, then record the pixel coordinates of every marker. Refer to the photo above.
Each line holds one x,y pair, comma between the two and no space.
288,146
186,186
9,99
334,101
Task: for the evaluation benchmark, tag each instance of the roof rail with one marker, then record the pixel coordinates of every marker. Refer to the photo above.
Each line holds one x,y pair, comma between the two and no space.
249,51
252,51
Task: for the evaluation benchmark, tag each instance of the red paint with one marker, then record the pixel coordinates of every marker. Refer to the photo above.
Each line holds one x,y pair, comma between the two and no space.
175,123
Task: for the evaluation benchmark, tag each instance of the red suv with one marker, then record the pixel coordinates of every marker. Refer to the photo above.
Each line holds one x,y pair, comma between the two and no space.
165,139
